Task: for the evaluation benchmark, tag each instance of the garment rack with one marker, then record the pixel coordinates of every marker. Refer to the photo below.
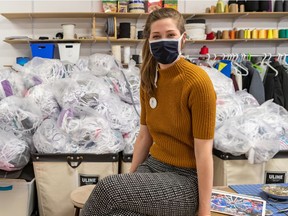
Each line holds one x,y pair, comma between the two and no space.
214,55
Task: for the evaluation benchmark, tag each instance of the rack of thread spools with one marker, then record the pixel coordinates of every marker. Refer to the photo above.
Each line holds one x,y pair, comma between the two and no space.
264,34
197,29
234,6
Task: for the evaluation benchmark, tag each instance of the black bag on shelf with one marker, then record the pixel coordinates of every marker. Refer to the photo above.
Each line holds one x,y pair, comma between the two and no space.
265,5
252,6
278,6
285,6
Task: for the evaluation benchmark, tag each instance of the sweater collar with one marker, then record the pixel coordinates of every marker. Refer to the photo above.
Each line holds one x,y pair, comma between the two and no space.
173,69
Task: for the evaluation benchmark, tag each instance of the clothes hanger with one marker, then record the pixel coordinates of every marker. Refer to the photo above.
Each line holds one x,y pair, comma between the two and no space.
241,66
270,66
208,61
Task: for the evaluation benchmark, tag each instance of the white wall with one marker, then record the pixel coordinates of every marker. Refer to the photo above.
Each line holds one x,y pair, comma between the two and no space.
49,27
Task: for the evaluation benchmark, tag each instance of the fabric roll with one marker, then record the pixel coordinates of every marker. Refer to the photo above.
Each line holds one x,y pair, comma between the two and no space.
252,5
264,5
124,30
278,6
232,2
285,6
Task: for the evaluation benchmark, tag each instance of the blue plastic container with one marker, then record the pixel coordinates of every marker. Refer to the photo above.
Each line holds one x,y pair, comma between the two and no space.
22,60
43,50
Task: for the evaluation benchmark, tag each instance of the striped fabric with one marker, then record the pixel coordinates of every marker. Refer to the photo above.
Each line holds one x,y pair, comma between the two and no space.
154,189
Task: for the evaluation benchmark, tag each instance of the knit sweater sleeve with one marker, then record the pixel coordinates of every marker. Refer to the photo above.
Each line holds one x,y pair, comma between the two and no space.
143,109
203,105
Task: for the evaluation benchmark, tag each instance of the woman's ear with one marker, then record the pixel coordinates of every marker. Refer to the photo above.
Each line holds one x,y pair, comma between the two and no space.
184,37
183,40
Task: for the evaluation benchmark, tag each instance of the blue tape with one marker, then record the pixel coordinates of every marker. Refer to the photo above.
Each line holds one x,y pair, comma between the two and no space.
6,188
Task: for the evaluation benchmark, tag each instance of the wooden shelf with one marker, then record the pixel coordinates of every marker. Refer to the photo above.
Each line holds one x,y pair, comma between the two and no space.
72,15
250,15
113,40
101,39
237,40
253,15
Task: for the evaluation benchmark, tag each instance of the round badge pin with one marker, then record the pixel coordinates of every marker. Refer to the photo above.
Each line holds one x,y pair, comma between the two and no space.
153,102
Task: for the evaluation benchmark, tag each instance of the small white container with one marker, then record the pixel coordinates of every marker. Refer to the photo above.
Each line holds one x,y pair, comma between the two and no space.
69,52
196,31
68,31
126,54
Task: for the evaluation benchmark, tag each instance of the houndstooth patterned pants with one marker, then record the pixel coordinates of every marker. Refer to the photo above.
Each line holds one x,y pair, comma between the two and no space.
154,189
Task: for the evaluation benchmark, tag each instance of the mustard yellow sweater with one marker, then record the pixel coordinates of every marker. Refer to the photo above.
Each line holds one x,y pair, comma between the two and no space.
186,109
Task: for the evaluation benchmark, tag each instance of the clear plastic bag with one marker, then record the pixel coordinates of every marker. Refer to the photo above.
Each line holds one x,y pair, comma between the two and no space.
20,115
129,140
49,138
48,70
256,133
14,153
101,64
11,84
126,83
229,106
120,115
90,131
43,96
222,84
83,89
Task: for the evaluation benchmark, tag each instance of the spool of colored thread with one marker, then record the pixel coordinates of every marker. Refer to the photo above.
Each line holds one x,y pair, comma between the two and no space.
204,50
255,34
247,34
282,33
226,10
242,8
233,8
270,34
232,34
241,34
262,34
219,8
219,34
212,9
225,34
275,33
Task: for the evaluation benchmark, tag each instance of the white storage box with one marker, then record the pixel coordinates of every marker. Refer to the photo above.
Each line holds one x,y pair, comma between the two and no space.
17,197
69,52
231,170
57,175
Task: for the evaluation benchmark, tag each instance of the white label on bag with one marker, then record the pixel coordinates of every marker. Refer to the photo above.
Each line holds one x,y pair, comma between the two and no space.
88,179
274,177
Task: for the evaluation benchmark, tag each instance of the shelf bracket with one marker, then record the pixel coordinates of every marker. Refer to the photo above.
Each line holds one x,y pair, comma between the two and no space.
191,16
281,19
239,17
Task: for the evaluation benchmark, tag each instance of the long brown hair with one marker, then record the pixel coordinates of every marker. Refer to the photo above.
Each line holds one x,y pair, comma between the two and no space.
149,64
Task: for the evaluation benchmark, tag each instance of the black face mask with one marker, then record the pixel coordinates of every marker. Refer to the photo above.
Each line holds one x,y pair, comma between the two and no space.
166,51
